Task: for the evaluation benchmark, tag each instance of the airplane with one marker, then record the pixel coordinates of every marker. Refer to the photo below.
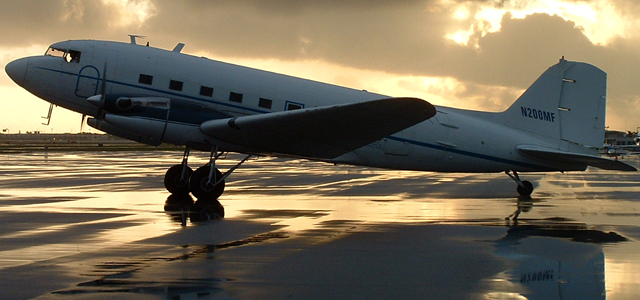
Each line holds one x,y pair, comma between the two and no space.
155,96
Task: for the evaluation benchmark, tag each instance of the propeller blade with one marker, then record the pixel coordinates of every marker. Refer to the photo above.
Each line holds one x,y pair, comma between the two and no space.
82,123
103,94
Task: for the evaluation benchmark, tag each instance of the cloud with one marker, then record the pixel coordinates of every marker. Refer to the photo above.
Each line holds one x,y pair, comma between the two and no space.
405,37
523,48
366,34
31,22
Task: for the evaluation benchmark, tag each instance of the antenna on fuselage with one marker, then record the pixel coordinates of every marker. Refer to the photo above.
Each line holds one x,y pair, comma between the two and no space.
133,38
178,48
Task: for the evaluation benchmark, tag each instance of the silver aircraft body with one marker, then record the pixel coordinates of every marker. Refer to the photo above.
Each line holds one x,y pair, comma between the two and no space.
156,96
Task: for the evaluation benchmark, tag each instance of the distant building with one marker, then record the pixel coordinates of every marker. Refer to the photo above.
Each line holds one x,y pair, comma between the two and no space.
621,138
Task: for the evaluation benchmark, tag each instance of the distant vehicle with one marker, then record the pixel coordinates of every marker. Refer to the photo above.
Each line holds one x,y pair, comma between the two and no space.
156,96
619,144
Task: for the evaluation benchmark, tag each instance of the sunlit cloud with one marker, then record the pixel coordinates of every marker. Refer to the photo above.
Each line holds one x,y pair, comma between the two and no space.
123,13
133,12
599,20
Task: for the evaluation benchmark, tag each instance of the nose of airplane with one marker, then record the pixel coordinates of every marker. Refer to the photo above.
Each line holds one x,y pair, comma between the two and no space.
17,70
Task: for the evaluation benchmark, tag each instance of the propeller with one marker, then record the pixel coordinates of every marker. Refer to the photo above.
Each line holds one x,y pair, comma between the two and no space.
84,116
100,99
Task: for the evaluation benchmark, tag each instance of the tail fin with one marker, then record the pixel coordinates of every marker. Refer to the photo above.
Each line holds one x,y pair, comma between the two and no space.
567,102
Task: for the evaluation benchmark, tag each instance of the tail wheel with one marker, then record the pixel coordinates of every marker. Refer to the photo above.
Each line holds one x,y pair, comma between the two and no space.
200,186
526,189
173,181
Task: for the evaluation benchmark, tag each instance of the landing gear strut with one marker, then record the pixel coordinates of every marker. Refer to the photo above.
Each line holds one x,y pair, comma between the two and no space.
525,188
206,183
176,180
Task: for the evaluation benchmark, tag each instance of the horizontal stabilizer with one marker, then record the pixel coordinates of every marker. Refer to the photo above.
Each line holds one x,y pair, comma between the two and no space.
568,157
321,132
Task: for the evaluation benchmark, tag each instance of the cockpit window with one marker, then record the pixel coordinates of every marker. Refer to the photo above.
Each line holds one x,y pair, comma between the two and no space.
55,52
70,56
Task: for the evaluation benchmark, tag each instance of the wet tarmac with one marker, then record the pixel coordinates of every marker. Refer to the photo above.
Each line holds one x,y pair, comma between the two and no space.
99,225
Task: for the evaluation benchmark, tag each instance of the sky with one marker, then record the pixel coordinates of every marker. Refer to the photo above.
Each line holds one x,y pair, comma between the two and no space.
477,55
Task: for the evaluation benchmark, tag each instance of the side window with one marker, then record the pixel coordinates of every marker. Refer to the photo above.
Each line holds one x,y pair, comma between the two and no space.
293,106
235,97
265,103
72,56
206,91
145,79
176,85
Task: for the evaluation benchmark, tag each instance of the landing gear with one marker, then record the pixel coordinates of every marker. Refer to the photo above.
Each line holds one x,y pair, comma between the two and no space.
176,180
206,183
205,186
525,188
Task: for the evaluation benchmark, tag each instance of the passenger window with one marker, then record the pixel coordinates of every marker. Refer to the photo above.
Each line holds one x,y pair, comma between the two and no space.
145,79
176,85
206,91
293,106
235,97
265,103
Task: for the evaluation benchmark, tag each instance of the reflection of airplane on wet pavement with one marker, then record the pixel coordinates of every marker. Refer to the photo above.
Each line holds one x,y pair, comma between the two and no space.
156,96
556,260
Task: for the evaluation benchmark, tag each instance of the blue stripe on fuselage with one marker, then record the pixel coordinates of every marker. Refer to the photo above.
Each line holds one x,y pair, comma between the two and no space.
470,154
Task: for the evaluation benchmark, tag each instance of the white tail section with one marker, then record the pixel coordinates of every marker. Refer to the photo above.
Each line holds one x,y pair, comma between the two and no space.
567,102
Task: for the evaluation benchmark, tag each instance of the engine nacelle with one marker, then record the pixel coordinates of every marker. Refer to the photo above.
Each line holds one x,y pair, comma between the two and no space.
119,104
127,103
119,132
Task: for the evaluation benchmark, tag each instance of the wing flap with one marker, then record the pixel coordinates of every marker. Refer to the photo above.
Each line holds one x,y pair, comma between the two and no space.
563,156
322,132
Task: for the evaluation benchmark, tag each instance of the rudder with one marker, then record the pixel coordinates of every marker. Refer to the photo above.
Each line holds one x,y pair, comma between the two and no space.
567,102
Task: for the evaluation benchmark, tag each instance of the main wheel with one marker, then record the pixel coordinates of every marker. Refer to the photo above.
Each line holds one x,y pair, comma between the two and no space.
526,190
173,180
199,186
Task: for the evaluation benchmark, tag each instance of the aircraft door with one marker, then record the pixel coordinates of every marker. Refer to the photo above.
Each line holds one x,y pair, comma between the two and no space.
104,63
88,82
88,75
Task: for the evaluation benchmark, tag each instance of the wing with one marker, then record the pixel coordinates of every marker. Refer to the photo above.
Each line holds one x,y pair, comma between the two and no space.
563,156
323,132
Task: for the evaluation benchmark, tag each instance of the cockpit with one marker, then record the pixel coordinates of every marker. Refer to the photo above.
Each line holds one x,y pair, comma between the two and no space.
70,56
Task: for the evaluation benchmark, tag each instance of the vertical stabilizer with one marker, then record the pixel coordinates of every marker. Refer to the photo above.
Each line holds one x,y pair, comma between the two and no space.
567,102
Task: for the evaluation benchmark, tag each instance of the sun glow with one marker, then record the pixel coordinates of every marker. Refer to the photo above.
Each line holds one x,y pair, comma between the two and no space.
122,13
599,20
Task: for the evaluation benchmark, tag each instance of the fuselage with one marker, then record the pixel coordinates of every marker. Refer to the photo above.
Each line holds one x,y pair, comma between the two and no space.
198,89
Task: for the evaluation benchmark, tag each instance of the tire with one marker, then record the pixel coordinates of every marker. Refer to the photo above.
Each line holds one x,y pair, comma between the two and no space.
199,186
526,190
173,182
